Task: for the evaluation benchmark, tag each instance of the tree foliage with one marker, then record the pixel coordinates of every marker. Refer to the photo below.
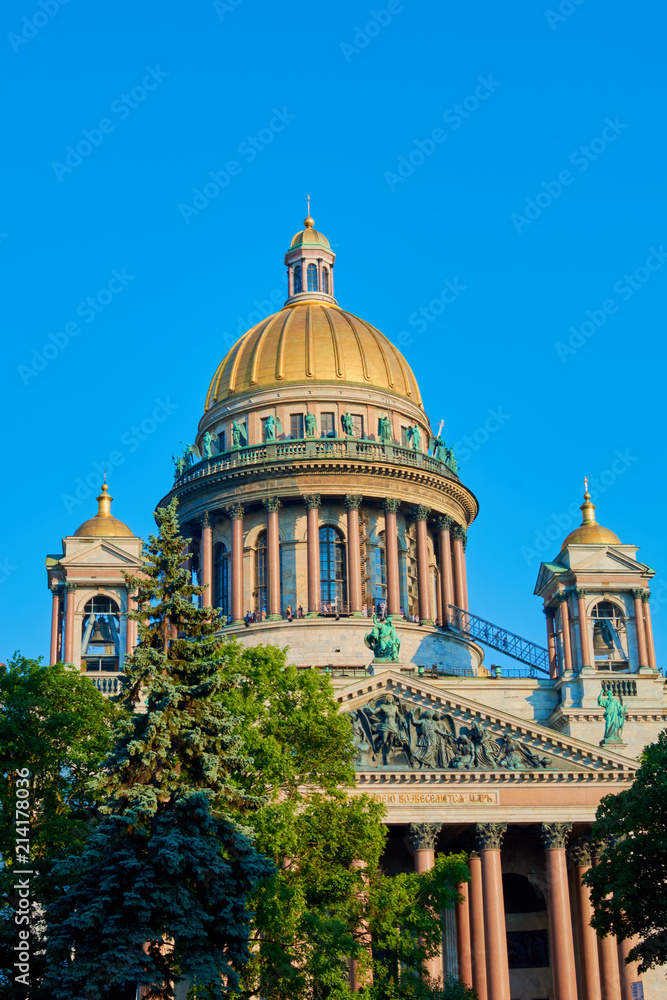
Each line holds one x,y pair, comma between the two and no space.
629,883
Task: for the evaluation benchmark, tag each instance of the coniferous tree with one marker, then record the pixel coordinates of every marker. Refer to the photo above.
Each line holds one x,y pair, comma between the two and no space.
159,895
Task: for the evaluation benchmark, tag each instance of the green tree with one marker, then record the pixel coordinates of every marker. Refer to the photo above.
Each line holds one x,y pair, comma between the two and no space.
327,895
55,724
628,884
159,895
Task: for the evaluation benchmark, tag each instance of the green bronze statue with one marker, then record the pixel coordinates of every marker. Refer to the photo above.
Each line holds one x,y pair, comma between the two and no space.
311,424
384,640
614,715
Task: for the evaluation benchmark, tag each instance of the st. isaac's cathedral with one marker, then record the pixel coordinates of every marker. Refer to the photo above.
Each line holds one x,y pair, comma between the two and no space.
326,515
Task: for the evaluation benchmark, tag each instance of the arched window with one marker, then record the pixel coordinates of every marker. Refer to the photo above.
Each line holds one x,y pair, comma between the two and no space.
298,283
261,574
380,571
312,278
100,642
221,578
333,575
608,629
325,280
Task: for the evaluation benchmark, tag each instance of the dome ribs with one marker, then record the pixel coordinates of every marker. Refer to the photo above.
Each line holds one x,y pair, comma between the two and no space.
340,371
237,358
309,344
360,346
378,338
257,350
280,355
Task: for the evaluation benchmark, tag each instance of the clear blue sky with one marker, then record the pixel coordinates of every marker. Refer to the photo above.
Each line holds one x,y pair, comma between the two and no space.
538,198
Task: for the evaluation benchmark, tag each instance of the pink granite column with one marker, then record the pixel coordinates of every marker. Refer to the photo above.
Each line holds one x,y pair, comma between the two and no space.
235,513
463,943
584,644
353,503
438,599
206,556
609,971
650,645
422,837
391,553
444,525
639,627
55,625
551,642
489,837
629,972
130,625
70,590
421,516
273,558
581,855
460,585
312,503
565,629
477,927
554,837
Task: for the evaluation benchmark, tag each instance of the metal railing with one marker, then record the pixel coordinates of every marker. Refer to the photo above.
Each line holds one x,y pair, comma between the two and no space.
498,638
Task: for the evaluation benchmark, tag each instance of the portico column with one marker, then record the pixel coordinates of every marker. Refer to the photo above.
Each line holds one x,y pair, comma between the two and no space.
70,590
312,503
353,503
130,626
206,561
477,927
444,525
361,970
581,856
460,584
554,837
391,552
421,515
629,973
463,946
272,506
650,646
584,645
565,629
609,971
550,614
55,621
235,513
489,837
639,627
422,837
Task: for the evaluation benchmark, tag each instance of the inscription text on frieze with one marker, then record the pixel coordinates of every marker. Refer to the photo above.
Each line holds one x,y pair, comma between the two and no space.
450,798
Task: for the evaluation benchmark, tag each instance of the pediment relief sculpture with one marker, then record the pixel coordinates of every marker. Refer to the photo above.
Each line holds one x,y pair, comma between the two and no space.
390,732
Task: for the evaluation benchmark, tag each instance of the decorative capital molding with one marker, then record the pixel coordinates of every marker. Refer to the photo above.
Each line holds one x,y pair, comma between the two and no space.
235,511
459,534
444,522
489,835
646,596
562,596
352,501
549,612
312,501
581,852
391,505
69,587
272,504
580,592
205,521
554,835
422,836
638,593
421,513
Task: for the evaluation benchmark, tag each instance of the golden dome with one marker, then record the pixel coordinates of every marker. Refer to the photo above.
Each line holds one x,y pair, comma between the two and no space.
312,342
309,235
589,531
103,524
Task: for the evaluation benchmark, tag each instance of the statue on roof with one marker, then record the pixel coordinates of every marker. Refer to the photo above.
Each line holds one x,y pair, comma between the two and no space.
179,463
384,429
207,442
272,427
311,424
614,715
239,436
414,438
192,454
384,640
348,424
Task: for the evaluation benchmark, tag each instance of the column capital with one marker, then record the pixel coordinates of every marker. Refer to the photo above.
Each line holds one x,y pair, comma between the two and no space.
562,596
459,533
554,835
421,513
444,522
580,592
489,835
312,501
422,836
638,593
581,852
549,612
272,504
70,587
205,521
352,501
235,511
646,596
390,505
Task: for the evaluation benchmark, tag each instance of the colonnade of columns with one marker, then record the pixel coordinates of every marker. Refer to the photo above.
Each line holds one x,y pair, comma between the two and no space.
557,665
63,610
482,950
452,587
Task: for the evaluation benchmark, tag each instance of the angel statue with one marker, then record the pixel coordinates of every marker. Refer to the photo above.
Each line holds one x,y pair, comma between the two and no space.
386,724
348,424
435,443
192,455
384,640
207,443
414,437
272,426
614,715
450,461
384,428
516,757
310,421
239,436
431,738
179,463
